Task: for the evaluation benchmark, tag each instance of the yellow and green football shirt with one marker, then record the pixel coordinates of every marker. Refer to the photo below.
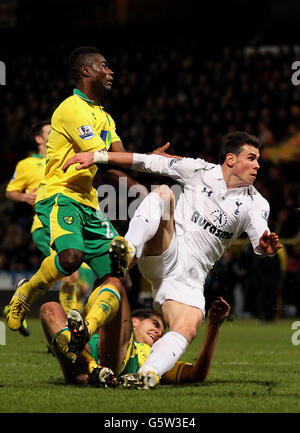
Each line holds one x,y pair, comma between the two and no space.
77,125
27,177
136,355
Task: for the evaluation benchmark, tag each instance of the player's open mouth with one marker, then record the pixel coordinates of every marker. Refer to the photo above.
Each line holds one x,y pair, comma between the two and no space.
151,336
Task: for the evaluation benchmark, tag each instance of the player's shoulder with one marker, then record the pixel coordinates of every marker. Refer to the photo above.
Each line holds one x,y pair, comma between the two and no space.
67,104
70,109
25,161
196,163
256,197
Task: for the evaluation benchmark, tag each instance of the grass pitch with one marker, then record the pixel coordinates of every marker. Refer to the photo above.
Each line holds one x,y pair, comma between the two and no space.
256,369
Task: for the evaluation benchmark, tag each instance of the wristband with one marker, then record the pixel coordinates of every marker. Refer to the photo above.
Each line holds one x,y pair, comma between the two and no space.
100,157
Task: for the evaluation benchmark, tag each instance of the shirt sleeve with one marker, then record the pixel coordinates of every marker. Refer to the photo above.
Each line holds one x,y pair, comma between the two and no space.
19,181
257,223
180,170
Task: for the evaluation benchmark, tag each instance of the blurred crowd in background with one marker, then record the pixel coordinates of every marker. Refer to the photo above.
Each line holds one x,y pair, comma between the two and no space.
168,90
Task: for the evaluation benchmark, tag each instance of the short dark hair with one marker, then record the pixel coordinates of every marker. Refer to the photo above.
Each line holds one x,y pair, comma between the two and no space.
79,57
234,141
146,313
37,129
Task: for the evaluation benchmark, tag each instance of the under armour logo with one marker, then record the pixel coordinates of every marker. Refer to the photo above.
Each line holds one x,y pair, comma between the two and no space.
209,193
237,211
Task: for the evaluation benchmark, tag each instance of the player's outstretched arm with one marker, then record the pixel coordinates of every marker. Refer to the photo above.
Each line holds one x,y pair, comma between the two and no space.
199,371
87,159
269,243
28,197
117,157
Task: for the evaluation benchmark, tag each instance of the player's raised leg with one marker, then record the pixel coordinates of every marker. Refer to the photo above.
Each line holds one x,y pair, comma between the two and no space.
150,230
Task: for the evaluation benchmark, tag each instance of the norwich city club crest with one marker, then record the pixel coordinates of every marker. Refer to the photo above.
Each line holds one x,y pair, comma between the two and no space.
68,219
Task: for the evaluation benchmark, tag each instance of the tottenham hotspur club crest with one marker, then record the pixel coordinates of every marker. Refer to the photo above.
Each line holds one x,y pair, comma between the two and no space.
237,211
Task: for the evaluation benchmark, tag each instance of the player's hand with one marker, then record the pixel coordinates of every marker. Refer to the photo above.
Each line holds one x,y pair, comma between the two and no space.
269,243
30,197
219,310
161,151
85,160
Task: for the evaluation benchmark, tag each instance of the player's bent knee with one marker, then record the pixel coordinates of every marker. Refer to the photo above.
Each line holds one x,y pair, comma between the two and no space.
48,311
165,193
70,260
168,198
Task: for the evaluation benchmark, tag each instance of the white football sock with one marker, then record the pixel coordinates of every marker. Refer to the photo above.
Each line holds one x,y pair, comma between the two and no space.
165,352
145,222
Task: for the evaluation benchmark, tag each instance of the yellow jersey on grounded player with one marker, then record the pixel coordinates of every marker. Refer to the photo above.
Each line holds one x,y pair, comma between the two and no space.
77,125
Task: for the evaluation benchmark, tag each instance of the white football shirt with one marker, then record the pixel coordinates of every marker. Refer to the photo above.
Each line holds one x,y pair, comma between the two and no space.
209,217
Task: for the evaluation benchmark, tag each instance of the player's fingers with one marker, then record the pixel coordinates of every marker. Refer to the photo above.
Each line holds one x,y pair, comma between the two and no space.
165,146
70,161
66,166
82,165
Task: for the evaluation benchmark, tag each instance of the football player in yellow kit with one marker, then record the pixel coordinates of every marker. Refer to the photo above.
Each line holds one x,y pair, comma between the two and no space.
115,354
67,203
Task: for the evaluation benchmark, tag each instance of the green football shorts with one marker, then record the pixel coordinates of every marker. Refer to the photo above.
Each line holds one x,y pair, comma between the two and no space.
41,241
69,224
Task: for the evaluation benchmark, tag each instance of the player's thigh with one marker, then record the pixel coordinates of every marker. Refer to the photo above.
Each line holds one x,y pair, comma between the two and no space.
157,267
161,240
63,220
41,241
182,318
98,233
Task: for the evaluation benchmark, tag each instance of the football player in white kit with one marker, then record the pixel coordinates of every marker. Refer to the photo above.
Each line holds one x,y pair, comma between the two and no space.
177,245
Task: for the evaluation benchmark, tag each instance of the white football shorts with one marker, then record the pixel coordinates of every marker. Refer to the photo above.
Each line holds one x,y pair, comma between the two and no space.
174,275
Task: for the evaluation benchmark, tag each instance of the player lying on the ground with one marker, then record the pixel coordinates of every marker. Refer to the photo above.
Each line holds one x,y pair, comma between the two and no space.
124,344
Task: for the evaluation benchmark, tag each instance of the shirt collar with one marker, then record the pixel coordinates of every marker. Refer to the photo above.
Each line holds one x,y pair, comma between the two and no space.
217,174
37,155
83,96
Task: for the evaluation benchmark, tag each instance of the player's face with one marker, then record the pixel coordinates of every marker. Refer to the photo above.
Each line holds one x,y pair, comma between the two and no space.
43,138
149,330
102,75
247,165
45,133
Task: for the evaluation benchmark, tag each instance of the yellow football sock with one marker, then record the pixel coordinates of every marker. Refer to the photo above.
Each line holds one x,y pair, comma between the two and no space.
47,275
68,296
79,304
87,361
102,306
